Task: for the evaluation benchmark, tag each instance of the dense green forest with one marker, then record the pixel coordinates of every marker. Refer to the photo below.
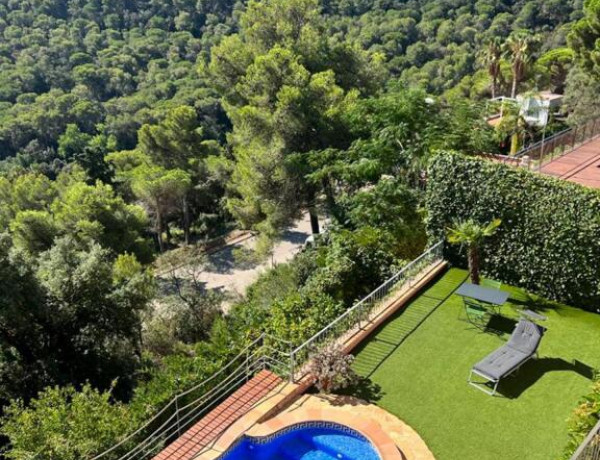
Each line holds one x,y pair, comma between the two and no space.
135,129
109,67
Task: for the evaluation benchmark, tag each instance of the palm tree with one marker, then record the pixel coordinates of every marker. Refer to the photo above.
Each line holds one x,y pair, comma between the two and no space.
491,57
513,125
472,234
518,50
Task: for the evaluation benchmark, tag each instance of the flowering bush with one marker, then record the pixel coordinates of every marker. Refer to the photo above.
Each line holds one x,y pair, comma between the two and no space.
331,369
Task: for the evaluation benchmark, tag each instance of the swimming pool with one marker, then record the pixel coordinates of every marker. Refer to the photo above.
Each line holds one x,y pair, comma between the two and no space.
305,441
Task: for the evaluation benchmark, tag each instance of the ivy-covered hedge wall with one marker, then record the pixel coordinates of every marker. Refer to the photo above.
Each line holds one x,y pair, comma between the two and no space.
549,239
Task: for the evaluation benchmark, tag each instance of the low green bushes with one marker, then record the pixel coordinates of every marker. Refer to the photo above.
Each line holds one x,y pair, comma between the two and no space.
295,300
66,424
583,419
76,423
549,239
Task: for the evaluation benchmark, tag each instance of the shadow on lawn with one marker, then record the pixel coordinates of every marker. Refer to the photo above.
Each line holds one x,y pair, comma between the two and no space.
537,304
500,325
515,385
389,336
364,388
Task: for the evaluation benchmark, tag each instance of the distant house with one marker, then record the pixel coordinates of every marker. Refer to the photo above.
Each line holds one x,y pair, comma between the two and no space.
535,108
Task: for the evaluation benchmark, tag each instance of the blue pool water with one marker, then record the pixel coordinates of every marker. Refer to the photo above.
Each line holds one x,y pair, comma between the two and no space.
306,442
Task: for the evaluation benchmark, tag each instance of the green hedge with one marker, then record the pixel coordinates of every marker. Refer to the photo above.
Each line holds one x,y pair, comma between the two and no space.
549,240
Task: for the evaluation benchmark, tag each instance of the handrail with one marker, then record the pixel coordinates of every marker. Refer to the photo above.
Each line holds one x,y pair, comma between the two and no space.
558,144
385,285
174,400
590,447
169,427
539,143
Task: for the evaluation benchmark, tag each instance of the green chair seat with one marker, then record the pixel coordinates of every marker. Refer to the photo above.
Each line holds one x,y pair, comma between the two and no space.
492,284
477,314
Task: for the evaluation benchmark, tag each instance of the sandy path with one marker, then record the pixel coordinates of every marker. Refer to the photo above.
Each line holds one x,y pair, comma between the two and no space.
223,273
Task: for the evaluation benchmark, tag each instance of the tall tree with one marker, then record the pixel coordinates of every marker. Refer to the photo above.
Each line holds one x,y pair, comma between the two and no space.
285,85
558,62
178,142
580,96
72,314
491,58
96,213
161,190
584,38
394,134
519,52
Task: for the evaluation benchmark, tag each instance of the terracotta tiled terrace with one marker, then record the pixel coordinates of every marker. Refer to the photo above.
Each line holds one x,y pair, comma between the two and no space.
581,165
219,419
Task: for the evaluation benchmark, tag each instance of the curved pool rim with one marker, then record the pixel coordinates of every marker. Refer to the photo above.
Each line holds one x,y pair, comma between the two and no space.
366,427
300,426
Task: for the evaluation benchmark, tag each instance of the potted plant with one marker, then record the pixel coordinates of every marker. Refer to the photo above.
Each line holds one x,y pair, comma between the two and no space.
331,369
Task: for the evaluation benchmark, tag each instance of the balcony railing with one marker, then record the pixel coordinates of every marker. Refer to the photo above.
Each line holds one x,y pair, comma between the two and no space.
351,320
590,447
185,409
536,155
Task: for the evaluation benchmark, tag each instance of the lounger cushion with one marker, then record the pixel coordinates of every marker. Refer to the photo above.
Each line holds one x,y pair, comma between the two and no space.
526,337
522,345
500,362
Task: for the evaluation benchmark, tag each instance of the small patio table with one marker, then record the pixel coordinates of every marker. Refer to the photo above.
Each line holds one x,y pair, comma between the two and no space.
486,295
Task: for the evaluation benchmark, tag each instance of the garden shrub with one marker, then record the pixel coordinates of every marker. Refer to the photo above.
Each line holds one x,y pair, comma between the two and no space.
353,263
176,374
583,419
390,206
331,369
273,284
67,424
299,316
549,239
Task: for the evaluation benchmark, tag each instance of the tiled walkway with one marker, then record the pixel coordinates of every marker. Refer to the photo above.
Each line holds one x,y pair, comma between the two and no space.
220,418
581,165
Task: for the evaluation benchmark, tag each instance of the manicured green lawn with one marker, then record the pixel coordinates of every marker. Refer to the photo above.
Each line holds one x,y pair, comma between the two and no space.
421,360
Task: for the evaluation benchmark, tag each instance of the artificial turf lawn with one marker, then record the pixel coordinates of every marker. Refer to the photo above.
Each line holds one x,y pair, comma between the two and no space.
421,359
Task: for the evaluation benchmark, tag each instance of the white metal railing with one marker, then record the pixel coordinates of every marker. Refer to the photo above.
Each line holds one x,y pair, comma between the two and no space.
189,406
590,447
352,318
